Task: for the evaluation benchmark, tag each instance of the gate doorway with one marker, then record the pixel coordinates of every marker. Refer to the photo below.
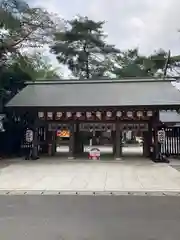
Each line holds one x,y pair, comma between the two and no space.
62,141
133,140
98,135
58,139
54,139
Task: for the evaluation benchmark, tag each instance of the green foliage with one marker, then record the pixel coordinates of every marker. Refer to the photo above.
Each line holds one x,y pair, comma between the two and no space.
22,26
36,66
24,68
82,48
131,64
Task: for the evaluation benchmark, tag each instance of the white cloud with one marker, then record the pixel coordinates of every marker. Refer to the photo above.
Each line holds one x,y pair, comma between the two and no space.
148,24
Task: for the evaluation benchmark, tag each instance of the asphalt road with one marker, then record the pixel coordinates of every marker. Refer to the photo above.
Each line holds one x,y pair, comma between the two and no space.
89,218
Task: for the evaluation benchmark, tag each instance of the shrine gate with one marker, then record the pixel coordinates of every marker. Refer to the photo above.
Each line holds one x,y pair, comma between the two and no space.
77,106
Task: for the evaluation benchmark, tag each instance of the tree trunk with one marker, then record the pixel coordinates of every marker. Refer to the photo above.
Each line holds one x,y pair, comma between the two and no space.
86,61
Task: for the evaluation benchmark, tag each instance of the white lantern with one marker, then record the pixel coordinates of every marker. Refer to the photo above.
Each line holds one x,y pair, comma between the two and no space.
149,113
69,114
98,114
29,135
129,114
78,114
59,114
88,114
139,113
40,114
109,114
50,114
119,114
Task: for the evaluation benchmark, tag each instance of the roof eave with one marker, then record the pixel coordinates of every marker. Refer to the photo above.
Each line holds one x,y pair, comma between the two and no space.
94,81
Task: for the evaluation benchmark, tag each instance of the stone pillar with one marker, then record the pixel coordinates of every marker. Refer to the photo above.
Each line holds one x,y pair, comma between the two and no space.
118,142
72,142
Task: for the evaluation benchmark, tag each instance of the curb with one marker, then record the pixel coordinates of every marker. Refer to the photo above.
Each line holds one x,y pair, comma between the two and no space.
87,193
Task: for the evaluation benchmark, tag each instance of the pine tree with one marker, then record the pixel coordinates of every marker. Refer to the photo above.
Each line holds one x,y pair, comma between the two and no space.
83,49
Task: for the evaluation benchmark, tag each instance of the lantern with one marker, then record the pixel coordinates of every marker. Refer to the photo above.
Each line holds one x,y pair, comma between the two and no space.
119,114
29,135
2,116
149,113
139,113
50,115
129,114
178,111
59,115
41,114
109,114
88,114
98,114
78,114
69,114
1,127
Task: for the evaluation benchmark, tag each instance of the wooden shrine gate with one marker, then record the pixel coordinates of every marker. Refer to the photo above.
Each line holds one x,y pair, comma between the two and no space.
171,144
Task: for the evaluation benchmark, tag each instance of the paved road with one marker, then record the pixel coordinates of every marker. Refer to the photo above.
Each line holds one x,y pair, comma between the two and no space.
55,174
89,218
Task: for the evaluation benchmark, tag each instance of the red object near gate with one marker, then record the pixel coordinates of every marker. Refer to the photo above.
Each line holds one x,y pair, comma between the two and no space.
94,154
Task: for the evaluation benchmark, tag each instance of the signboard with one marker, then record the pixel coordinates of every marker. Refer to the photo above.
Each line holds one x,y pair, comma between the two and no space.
29,135
60,126
63,133
104,127
101,127
134,126
161,136
94,153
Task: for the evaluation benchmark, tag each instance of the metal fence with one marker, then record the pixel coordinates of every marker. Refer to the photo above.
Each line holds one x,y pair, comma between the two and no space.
172,141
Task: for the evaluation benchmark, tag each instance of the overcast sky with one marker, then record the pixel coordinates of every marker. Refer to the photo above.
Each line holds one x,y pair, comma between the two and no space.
147,24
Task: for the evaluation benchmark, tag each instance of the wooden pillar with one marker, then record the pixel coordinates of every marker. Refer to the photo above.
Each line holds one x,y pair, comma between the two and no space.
49,141
121,145
72,142
35,141
156,144
149,138
78,140
94,138
53,143
46,139
114,142
118,141
146,145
